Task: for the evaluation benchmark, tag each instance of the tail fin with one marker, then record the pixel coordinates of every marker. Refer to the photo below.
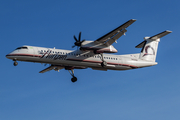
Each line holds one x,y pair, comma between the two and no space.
150,45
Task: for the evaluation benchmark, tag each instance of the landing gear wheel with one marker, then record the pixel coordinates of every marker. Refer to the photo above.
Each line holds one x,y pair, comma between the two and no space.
15,63
104,63
74,79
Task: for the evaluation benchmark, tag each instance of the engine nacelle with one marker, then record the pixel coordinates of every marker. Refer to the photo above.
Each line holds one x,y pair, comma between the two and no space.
97,47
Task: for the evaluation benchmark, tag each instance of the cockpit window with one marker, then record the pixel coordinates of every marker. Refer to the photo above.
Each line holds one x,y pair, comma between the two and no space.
21,48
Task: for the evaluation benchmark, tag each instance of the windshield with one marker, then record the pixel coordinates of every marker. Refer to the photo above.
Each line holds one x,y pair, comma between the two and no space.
21,48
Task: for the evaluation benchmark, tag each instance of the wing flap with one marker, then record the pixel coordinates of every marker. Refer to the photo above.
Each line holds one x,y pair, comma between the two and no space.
118,35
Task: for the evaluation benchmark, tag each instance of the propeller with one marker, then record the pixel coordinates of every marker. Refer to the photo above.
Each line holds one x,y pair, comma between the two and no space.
78,42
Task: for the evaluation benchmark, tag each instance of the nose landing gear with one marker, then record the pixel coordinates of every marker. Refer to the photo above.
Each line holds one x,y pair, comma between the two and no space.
15,63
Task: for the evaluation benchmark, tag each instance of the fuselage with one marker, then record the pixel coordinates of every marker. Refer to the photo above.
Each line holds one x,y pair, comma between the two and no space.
77,59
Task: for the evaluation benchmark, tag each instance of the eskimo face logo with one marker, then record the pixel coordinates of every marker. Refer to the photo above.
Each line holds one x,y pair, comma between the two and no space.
149,51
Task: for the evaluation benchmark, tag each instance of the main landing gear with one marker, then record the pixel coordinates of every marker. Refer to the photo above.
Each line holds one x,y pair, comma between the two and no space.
104,63
73,79
15,63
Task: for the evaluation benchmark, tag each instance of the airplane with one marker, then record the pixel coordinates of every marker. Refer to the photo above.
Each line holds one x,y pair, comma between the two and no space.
92,54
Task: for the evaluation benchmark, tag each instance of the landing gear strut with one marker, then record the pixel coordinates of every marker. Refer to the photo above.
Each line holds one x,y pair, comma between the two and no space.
15,63
104,63
73,79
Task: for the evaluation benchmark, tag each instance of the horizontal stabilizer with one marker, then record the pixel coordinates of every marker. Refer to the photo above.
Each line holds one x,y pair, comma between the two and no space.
141,44
155,37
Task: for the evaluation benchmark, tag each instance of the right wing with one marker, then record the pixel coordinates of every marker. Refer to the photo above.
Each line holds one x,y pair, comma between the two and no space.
112,36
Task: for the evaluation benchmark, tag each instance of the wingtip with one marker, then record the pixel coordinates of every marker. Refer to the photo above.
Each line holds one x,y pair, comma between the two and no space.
133,19
168,31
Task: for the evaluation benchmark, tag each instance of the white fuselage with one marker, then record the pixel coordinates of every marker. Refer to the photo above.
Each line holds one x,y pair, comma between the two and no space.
78,58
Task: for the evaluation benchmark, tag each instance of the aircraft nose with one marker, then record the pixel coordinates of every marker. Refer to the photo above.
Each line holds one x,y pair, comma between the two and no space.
7,56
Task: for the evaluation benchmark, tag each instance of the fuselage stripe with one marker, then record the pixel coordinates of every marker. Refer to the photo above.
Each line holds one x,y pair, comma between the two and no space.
90,61
30,55
101,62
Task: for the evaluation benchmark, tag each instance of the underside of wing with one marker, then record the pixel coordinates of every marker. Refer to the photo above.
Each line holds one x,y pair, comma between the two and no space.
112,36
52,67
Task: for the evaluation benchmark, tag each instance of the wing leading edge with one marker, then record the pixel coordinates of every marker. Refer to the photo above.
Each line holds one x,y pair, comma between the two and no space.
112,36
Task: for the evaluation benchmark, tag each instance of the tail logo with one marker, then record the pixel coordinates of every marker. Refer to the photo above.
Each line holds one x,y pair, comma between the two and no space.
149,51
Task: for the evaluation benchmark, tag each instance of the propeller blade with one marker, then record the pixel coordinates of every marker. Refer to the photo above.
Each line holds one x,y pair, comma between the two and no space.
78,41
75,38
82,41
79,36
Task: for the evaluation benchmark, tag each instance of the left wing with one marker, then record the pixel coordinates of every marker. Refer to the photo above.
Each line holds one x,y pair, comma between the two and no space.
112,36
52,67
59,67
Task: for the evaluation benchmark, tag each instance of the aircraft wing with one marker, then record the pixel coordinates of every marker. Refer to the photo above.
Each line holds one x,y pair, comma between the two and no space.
52,67
112,36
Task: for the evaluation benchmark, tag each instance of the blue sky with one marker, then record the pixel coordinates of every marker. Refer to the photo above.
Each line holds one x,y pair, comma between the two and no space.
147,93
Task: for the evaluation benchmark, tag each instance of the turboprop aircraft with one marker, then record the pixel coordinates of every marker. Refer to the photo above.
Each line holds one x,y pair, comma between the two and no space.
92,54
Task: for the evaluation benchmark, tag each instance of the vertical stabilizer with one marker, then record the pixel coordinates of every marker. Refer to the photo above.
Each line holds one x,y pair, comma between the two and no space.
150,45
